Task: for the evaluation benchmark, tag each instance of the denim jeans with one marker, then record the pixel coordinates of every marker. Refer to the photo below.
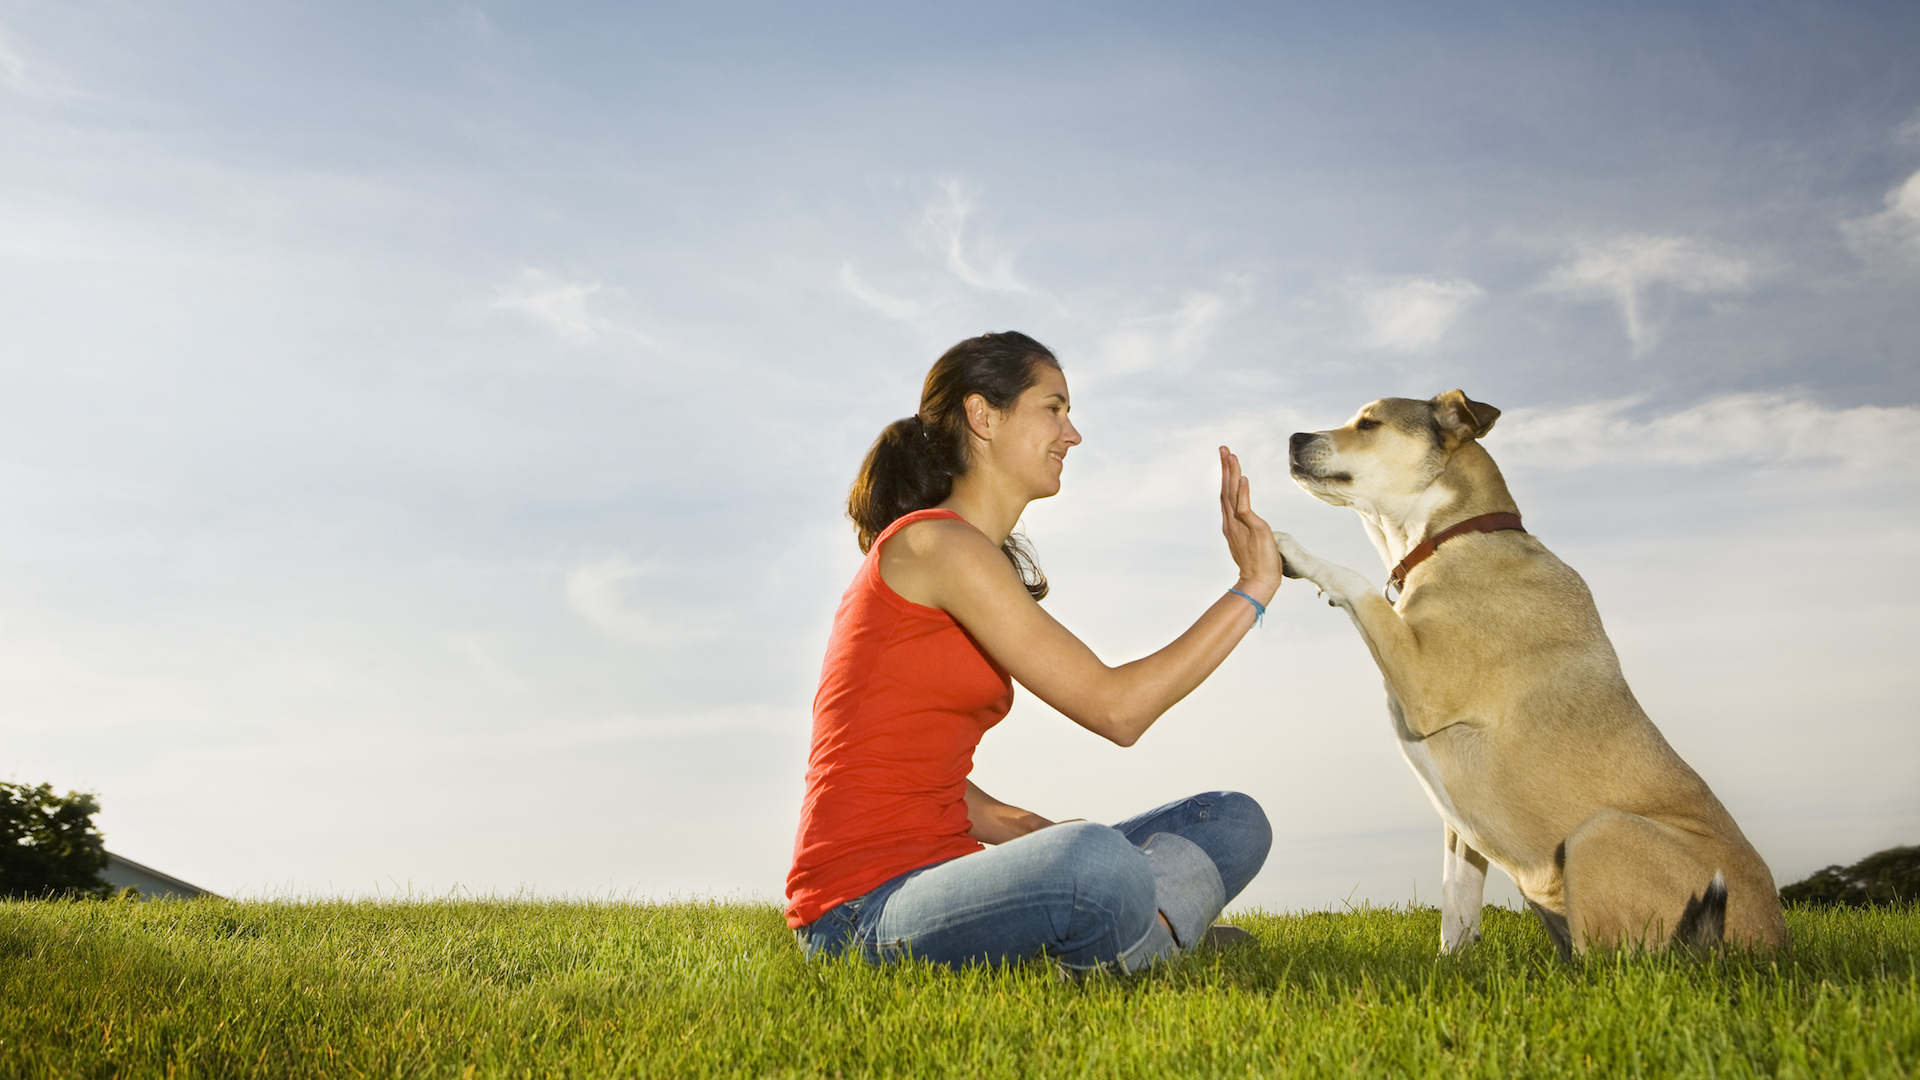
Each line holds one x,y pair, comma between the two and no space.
1081,893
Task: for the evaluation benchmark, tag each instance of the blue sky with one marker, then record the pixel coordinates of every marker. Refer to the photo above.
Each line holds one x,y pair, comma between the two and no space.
423,427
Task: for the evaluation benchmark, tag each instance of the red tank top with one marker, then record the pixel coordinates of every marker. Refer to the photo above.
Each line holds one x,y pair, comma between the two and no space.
904,697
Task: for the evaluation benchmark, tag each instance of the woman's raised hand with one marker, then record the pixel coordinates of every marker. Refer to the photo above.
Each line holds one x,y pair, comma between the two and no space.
1249,537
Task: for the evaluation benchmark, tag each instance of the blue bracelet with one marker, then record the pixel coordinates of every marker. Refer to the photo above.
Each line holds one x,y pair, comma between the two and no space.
1259,609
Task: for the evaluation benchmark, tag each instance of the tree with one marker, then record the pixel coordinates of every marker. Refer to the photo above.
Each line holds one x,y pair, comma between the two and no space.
1885,877
48,845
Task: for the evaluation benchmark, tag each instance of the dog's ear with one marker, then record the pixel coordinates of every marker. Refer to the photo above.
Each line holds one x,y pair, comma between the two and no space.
1462,418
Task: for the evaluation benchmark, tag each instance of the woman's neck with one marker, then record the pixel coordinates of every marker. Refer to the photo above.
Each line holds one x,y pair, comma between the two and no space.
993,511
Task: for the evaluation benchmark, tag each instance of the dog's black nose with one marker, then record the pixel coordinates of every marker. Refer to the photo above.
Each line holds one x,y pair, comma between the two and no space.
1300,440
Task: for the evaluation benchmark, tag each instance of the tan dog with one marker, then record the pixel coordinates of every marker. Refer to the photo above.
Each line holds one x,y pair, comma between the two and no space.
1508,700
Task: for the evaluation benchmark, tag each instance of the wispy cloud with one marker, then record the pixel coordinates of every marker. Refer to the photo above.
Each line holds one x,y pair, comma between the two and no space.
497,675
1908,134
13,69
981,264
1630,269
576,310
1894,231
476,21
1410,314
970,262
892,307
605,592
1169,340
1751,429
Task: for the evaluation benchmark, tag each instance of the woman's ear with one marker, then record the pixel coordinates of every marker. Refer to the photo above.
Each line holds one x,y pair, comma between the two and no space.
980,416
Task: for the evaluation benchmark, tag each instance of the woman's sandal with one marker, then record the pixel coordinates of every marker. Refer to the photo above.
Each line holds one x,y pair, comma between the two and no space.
1222,936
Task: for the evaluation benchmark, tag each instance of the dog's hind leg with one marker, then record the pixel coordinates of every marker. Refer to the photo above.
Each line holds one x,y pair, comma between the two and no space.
1463,891
1634,881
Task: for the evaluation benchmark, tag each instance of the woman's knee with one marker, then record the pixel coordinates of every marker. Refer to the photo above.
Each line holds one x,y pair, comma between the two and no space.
1107,871
1087,848
1240,808
1112,906
1241,840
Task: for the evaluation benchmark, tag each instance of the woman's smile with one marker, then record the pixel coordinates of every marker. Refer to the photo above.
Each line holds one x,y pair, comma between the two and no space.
1039,422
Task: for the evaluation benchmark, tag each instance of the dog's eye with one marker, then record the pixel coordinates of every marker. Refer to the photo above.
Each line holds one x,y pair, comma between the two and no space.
1366,425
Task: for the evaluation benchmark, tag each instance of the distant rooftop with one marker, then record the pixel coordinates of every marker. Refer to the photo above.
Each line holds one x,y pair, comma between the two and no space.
122,872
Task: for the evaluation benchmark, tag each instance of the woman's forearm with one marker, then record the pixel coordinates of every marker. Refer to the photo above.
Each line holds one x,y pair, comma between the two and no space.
1125,701
970,579
995,822
1136,694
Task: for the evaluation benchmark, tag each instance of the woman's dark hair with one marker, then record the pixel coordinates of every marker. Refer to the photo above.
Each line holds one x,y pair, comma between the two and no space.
912,465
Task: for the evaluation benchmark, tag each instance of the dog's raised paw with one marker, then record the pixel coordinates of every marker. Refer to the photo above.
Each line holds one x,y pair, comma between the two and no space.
1290,564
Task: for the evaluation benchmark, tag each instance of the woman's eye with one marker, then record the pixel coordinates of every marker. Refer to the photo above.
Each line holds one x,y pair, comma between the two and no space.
1366,425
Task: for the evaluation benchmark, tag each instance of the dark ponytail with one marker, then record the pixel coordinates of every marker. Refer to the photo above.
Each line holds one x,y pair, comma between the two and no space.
912,465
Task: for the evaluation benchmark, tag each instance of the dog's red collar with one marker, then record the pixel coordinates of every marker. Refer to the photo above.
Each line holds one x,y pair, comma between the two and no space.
1485,523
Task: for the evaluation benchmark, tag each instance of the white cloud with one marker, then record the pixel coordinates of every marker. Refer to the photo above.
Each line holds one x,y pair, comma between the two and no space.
970,261
1410,314
1169,341
986,268
493,672
1908,134
1628,269
13,69
892,307
1895,230
603,592
1746,429
477,22
575,310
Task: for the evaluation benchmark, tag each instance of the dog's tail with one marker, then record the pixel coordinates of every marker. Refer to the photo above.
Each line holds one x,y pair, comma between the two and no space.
1704,922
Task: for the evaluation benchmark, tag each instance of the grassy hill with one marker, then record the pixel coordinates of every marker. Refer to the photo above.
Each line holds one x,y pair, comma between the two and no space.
211,988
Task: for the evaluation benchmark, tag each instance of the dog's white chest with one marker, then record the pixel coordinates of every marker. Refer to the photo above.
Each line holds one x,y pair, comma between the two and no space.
1420,758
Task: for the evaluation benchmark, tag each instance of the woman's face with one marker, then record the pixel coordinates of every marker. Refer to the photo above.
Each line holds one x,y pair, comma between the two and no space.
1030,440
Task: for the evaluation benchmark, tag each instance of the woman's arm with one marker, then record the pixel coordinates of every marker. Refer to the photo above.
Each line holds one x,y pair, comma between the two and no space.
951,565
995,822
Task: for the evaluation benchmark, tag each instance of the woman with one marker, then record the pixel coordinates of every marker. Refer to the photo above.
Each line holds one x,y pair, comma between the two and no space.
941,618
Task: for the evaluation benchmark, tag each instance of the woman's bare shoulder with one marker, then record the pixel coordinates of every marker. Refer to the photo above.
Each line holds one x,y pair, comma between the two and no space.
937,537
927,560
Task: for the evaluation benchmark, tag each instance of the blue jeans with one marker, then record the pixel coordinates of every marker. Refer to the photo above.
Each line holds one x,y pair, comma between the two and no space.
1081,893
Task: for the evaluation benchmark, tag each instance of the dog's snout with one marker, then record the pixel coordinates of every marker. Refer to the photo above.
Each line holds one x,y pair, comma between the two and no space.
1299,441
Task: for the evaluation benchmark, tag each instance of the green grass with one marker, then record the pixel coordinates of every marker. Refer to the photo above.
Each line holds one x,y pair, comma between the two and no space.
528,989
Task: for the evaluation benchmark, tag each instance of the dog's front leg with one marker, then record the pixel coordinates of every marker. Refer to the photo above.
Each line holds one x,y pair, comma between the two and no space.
1393,643
1335,582
1463,892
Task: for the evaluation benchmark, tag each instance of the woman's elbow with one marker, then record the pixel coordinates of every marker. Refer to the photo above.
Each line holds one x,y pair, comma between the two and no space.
1119,727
